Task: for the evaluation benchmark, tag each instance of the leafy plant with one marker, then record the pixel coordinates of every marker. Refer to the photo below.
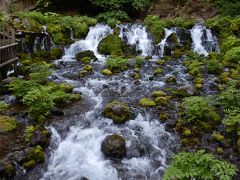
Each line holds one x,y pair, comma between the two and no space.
199,165
116,64
3,106
232,120
233,55
196,108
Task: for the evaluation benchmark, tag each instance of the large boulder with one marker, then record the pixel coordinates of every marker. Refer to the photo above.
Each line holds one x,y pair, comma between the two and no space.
119,112
172,40
111,45
84,54
114,146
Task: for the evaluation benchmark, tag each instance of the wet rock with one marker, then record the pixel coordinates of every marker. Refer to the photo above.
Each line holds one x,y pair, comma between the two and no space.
56,53
57,112
83,54
172,41
187,90
184,36
171,79
114,146
41,138
119,112
84,178
132,62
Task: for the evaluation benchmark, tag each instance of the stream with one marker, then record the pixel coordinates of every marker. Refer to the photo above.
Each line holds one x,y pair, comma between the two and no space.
75,149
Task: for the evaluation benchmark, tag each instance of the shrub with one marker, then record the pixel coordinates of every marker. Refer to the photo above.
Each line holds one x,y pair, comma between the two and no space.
113,17
230,97
214,67
196,108
233,55
232,120
199,165
116,64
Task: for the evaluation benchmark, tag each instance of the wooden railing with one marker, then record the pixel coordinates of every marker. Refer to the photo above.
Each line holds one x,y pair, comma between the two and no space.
8,51
17,5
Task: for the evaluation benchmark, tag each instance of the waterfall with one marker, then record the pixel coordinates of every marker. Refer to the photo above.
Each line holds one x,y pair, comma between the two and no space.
203,40
95,35
162,44
138,36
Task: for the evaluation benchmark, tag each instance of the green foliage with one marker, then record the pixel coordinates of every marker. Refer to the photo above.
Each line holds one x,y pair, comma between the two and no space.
113,17
39,101
231,7
196,108
194,64
233,55
139,61
230,97
199,165
214,67
28,133
232,120
116,64
3,106
156,26
229,43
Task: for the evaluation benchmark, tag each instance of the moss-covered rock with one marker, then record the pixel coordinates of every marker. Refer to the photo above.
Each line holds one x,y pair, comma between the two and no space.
218,137
67,88
163,116
162,100
83,54
7,170
158,71
114,146
7,124
56,53
29,165
172,40
171,79
37,154
111,45
119,112
160,62
158,94
185,91
146,102
187,132
106,72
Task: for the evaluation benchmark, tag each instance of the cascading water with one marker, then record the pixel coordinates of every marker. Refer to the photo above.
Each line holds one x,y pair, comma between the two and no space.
77,153
138,36
95,35
202,44
162,44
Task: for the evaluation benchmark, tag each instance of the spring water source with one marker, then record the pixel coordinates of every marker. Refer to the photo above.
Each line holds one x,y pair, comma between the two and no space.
75,150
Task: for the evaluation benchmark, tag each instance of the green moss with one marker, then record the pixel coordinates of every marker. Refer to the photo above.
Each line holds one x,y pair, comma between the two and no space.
162,100
111,45
219,150
56,53
37,154
233,56
146,102
88,68
214,116
106,72
171,79
158,94
160,62
214,67
163,116
75,97
67,88
28,133
29,165
225,77
187,132
218,137
119,112
83,54
7,170
158,71
86,60
178,53
7,124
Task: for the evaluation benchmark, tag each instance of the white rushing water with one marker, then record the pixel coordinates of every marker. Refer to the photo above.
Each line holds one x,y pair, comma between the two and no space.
138,36
203,43
95,35
77,153
162,44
